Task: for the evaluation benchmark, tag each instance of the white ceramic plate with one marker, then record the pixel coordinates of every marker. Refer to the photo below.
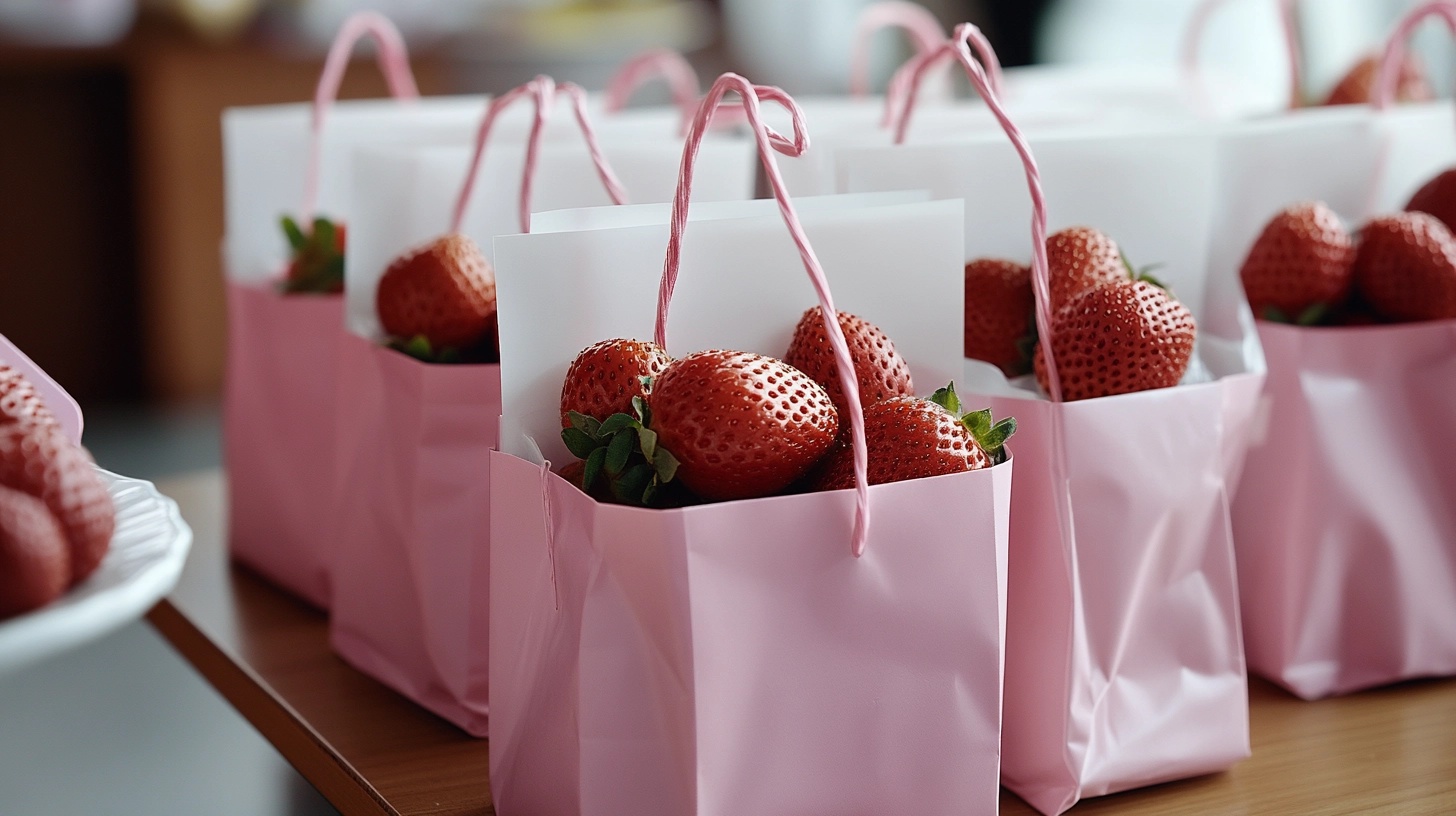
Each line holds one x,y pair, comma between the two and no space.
145,561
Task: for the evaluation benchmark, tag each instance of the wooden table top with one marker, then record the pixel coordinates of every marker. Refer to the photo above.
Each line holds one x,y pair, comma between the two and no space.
370,751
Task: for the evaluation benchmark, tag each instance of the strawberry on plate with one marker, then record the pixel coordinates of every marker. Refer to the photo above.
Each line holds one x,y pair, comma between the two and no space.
1357,86
914,438
606,376
882,373
317,264
19,401
1437,197
1116,339
999,314
43,463
1300,266
1406,268
1079,259
740,425
35,563
439,298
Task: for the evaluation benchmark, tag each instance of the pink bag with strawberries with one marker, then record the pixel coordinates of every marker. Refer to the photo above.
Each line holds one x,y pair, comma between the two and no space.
412,565
1124,664
738,656
1345,523
278,413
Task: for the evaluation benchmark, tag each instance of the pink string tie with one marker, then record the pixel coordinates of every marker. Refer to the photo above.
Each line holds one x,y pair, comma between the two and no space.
1193,44
542,91
393,59
924,30
671,66
769,141
913,70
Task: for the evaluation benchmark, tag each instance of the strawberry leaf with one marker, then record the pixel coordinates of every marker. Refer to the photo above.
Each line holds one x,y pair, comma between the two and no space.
593,468
633,484
579,442
1314,315
644,414
648,441
584,423
1274,314
616,422
665,464
619,450
947,399
296,239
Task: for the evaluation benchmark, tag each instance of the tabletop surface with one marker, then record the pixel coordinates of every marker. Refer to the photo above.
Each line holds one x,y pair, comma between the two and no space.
372,752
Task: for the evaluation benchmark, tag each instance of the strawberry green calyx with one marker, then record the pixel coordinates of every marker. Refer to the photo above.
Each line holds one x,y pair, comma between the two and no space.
318,257
622,453
419,347
1317,314
989,434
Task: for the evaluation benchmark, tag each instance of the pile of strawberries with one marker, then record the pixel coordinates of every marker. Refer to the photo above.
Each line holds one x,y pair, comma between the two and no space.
720,425
56,518
1306,268
437,303
1114,331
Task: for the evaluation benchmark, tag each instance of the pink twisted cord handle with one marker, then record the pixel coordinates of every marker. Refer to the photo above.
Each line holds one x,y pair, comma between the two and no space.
1193,45
957,47
925,32
542,90
393,60
768,141
673,67
912,71
1397,44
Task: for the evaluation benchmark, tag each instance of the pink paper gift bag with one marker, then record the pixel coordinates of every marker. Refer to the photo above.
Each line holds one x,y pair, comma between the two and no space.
1345,523
738,657
277,434
411,571
278,411
1348,560
1124,663
412,565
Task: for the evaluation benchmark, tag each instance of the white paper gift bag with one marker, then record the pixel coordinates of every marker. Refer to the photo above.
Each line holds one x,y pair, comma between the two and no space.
1347,564
737,657
1124,661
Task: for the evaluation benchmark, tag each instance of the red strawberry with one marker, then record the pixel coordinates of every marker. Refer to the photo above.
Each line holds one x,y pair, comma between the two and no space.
47,465
1357,85
1406,268
604,378
1301,261
1079,259
1124,337
318,257
35,565
1437,197
740,425
914,438
881,372
19,401
443,292
999,305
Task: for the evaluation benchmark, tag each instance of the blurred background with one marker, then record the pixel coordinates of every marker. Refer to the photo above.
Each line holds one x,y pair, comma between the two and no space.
111,214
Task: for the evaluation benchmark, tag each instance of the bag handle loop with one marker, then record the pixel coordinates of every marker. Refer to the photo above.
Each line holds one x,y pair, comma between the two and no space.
924,29
1193,43
769,141
666,63
393,59
542,91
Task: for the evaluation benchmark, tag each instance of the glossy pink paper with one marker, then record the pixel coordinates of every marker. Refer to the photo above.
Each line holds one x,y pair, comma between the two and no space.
278,441
736,658
412,568
1124,663
1345,521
